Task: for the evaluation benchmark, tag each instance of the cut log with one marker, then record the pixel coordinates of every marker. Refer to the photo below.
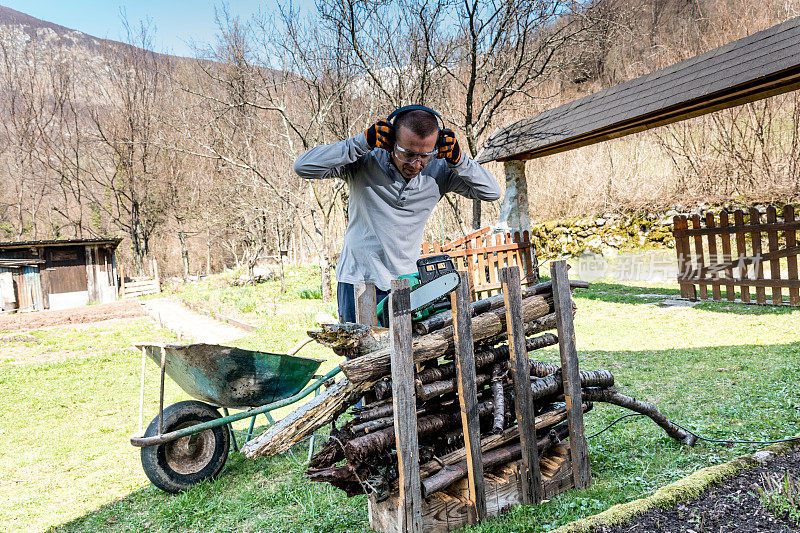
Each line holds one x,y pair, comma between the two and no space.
333,451
452,473
429,391
498,398
489,356
306,419
550,385
358,449
373,412
342,477
439,343
351,340
544,420
613,397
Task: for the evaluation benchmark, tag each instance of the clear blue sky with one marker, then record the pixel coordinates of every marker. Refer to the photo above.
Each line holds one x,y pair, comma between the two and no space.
177,22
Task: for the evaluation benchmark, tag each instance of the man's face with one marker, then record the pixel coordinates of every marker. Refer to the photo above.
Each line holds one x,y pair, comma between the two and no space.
412,144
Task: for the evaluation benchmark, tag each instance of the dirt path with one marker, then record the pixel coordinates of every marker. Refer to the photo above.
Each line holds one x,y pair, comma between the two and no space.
189,325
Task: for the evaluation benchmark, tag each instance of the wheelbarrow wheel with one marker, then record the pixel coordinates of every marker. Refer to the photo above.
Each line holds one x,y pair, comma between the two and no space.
178,465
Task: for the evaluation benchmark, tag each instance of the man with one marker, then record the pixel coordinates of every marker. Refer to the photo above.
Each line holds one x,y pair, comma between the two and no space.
397,171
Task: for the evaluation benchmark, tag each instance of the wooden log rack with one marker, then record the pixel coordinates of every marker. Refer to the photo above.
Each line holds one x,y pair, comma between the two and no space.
499,477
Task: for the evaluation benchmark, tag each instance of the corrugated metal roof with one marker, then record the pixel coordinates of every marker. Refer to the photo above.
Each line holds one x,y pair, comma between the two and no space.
114,242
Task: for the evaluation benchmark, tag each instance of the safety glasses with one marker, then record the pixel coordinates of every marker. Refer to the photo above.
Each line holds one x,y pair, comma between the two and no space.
407,156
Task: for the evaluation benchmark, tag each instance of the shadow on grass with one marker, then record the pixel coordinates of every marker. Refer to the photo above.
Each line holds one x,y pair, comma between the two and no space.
632,294
266,494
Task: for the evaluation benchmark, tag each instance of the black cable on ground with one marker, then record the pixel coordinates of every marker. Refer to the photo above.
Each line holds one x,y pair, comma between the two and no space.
699,437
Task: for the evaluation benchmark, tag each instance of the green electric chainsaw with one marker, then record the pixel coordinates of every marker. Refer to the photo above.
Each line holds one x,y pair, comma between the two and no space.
436,277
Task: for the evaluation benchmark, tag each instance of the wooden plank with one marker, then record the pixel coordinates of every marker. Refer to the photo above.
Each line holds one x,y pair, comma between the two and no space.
699,255
505,256
763,283
492,261
531,259
405,408
483,276
562,299
684,261
149,284
791,241
713,256
445,511
366,304
468,397
774,264
780,226
492,249
530,475
724,221
741,250
470,268
755,242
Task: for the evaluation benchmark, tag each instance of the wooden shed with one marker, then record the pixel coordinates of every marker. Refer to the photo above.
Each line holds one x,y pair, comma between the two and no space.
57,274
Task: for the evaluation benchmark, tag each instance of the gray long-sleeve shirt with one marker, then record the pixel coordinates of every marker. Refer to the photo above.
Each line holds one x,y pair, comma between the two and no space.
387,214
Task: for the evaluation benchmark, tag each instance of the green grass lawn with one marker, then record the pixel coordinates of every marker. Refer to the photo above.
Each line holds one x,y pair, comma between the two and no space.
70,402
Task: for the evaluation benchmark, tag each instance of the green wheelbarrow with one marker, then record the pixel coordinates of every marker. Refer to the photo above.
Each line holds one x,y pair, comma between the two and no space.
189,441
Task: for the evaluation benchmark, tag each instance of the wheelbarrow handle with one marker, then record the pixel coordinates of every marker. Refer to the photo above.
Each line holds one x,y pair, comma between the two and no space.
141,441
299,346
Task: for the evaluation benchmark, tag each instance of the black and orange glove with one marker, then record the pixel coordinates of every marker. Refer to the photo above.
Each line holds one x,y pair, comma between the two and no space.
448,147
380,135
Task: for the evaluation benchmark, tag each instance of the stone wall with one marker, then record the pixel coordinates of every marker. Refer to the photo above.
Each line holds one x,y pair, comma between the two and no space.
612,233
606,235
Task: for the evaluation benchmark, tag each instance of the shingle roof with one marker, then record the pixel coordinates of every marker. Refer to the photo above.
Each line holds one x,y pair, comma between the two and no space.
760,65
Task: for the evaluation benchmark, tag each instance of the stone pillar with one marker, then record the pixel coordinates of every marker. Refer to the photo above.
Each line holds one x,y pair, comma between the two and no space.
514,214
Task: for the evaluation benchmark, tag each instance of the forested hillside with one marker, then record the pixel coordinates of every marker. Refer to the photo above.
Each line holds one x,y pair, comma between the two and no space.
190,159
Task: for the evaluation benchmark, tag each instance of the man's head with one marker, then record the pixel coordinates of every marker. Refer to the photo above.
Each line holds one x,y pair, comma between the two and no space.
416,133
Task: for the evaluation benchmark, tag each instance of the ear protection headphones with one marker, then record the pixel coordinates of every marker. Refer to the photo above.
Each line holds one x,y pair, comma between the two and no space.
405,109
392,119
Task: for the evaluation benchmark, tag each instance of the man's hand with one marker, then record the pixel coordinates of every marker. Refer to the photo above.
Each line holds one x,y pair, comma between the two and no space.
448,147
380,135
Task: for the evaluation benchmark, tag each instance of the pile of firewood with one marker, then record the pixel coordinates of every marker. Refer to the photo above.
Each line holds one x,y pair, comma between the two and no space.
366,442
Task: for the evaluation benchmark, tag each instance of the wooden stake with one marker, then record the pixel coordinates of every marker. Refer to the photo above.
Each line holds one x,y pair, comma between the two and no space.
570,373
774,264
530,474
741,250
701,271
724,221
405,408
366,304
755,241
791,240
468,397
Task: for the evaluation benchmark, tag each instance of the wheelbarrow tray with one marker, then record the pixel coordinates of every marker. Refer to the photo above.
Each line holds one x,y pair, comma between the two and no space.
233,377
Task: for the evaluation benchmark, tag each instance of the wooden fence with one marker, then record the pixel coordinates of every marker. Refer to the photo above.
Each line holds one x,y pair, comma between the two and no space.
730,255
139,286
483,255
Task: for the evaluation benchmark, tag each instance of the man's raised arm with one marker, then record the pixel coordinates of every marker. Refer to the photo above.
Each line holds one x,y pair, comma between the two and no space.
330,160
466,177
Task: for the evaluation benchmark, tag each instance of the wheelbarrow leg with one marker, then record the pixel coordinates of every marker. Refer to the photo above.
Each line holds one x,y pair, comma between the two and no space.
230,429
313,438
250,429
